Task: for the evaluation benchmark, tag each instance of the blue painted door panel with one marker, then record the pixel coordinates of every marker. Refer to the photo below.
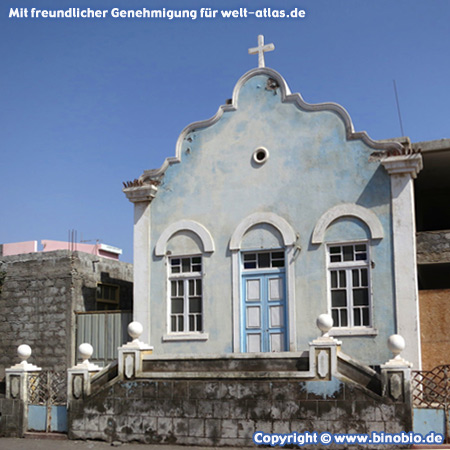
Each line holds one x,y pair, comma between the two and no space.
37,418
58,419
264,312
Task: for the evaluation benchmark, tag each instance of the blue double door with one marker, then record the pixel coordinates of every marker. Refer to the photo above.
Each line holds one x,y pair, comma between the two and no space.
264,321
48,418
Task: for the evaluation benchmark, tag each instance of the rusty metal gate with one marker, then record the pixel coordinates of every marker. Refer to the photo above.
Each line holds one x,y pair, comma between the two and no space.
431,400
47,401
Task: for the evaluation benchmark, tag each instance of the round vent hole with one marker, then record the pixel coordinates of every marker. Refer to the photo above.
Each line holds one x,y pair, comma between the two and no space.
260,155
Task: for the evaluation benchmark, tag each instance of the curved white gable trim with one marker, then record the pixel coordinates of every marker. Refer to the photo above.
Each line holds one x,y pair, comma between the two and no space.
181,225
286,97
345,210
278,222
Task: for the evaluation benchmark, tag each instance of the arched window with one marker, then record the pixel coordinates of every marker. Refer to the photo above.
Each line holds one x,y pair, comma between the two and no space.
184,244
348,230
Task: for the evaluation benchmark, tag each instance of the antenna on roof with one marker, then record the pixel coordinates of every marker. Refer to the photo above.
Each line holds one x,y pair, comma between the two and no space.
398,109
83,241
72,240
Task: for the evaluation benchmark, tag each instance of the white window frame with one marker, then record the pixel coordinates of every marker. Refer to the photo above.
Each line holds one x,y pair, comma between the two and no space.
348,266
272,260
184,335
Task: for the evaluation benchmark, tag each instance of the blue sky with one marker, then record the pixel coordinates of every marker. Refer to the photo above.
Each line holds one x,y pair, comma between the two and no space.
89,103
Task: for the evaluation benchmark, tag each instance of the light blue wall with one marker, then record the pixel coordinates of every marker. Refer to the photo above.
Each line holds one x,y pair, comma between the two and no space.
311,168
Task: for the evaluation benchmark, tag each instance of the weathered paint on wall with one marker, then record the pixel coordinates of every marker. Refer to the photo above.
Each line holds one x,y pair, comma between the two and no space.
312,167
227,412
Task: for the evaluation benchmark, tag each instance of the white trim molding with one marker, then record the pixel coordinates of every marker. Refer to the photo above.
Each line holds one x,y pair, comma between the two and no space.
138,194
357,331
403,165
287,232
185,337
185,225
347,210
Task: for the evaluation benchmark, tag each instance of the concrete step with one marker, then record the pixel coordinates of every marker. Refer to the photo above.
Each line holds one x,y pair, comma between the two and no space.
43,435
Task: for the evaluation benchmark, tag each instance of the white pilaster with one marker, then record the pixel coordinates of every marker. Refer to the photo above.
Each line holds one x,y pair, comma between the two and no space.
402,170
141,196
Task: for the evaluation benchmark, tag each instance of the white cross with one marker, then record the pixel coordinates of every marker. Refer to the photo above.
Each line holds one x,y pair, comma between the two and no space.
260,50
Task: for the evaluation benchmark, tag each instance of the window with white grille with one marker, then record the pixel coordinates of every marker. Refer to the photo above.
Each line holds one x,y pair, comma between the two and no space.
186,300
349,285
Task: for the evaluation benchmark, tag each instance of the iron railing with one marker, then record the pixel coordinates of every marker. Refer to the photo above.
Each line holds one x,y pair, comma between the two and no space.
47,388
431,388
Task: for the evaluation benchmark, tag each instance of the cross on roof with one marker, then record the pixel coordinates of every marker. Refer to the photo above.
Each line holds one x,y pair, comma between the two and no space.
260,50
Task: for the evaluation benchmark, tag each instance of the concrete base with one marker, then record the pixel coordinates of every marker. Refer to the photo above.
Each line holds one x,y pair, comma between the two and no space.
51,436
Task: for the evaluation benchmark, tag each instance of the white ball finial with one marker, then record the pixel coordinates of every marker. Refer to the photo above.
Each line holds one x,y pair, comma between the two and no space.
324,323
24,352
85,350
135,329
396,345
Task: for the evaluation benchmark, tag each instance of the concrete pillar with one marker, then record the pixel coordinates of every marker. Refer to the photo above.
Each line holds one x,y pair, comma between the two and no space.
396,373
79,376
323,351
17,385
130,354
403,169
141,196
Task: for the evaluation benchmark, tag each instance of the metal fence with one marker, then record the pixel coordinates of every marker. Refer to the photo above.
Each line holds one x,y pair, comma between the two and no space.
105,331
47,388
47,399
431,388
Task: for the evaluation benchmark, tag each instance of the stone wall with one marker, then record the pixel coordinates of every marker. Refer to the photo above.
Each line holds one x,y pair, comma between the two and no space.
11,414
39,295
36,308
433,247
228,412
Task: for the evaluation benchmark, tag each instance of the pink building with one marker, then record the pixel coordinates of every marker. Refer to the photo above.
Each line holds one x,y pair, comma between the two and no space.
18,248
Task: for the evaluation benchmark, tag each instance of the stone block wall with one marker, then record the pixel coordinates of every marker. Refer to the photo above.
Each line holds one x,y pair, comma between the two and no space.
11,414
228,412
39,295
433,247
36,308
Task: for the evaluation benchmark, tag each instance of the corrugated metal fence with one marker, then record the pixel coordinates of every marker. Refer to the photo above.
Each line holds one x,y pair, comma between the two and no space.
105,331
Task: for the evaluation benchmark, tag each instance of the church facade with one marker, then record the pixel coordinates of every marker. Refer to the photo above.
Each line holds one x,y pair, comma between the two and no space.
273,212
